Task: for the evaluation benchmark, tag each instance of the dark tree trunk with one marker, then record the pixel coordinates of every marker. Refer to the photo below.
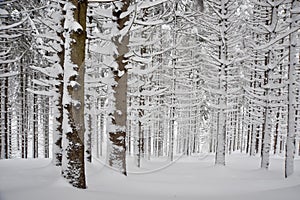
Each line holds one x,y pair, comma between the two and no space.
6,128
117,134
46,126
73,94
35,127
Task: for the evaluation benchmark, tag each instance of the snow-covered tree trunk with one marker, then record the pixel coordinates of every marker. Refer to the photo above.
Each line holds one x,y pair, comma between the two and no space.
58,130
6,128
89,129
2,139
58,96
117,130
46,114
220,24
270,65
293,63
266,137
141,106
73,165
24,114
5,136
222,84
90,96
35,153
141,131
221,134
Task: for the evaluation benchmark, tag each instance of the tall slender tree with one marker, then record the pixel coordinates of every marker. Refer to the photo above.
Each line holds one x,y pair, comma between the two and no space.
292,77
220,69
120,40
73,165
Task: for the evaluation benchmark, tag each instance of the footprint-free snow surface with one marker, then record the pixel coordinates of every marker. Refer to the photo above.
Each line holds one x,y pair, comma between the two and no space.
187,178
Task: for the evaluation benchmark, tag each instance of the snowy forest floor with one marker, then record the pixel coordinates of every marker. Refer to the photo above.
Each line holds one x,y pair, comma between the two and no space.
188,178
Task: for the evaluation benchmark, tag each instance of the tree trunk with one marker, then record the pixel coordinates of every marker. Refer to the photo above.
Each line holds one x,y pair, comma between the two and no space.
35,127
89,130
46,126
290,141
117,131
141,134
73,94
141,112
58,114
266,139
223,68
1,124
58,99
268,78
23,120
221,138
6,128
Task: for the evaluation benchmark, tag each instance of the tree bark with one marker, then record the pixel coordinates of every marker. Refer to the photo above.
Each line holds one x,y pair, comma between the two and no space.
58,107
35,127
223,84
73,94
6,128
46,126
23,118
291,132
117,132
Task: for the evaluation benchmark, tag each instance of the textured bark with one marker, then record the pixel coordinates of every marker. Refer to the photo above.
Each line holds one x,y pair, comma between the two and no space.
6,129
1,124
90,118
57,134
73,119
58,109
173,86
277,132
141,98
268,77
266,129
223,84
140,130
293,61
46,126
35,128
88,142
117,133
266,140
221,138
4,136
23,118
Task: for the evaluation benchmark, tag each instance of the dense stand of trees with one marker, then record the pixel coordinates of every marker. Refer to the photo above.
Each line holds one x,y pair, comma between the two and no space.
96,79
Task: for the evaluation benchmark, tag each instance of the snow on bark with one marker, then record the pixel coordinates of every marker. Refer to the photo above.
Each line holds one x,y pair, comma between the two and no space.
270,64
293,62
118,94
221,138
220,67
73,166
266,147
55,46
